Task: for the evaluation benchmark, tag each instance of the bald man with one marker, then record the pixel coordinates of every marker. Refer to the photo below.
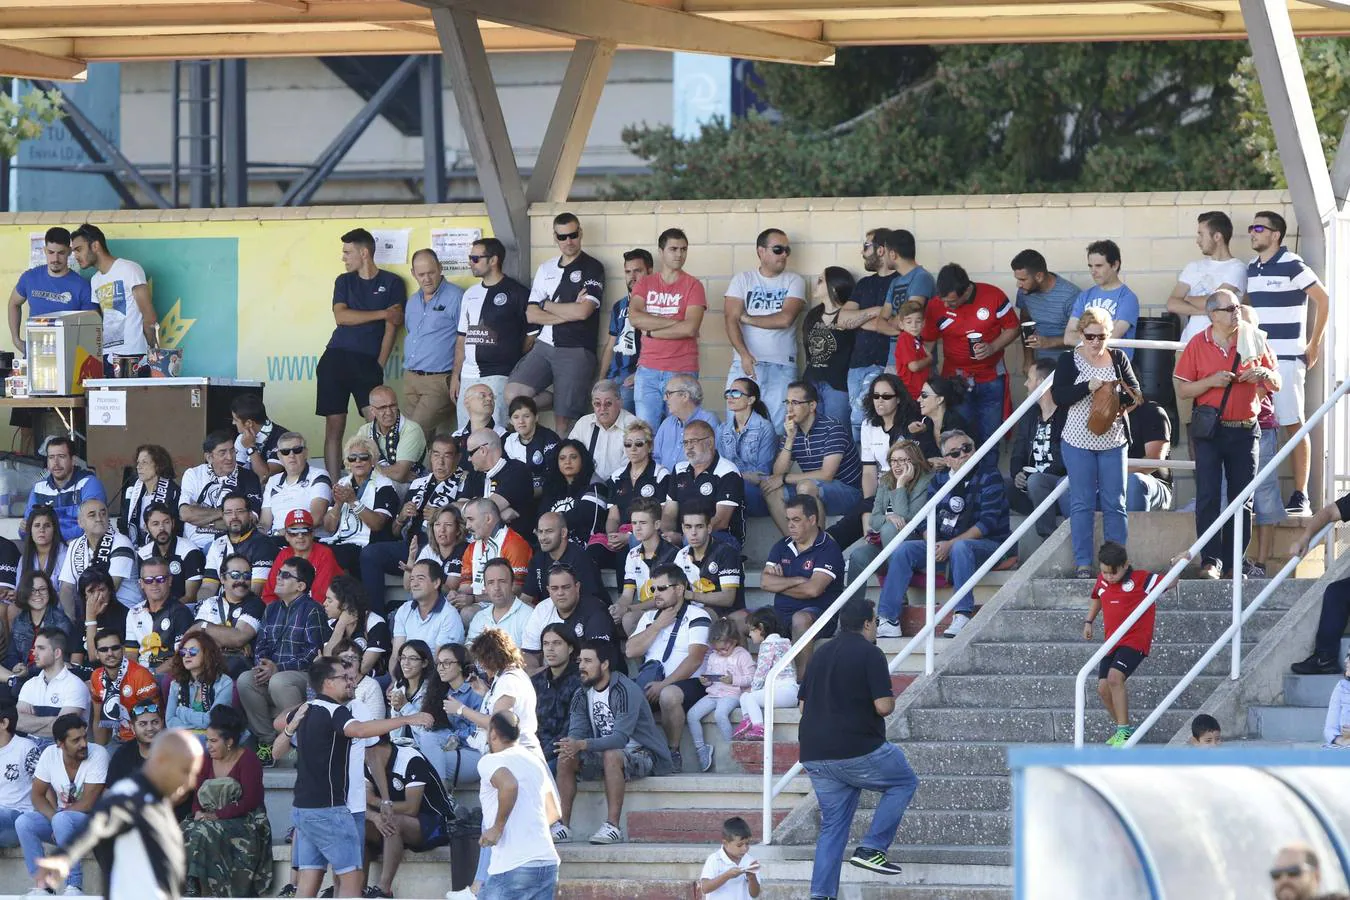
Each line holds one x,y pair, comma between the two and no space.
133,832
401,441
1296,874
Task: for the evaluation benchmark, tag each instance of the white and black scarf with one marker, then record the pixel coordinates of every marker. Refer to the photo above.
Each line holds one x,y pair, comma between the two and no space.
83,558
112,689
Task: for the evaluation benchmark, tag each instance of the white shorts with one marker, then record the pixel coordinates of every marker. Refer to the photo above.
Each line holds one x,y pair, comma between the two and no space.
1289,398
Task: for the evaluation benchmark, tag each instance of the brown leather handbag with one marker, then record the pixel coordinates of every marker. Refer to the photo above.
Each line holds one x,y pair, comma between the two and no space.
1107,404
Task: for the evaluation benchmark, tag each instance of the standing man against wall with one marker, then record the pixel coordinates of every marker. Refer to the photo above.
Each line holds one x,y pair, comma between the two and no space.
619,357
1279,286
1043,297
368,308
121,291
432,320
871,342
667,308
761,309
1108,292
565,305
493,332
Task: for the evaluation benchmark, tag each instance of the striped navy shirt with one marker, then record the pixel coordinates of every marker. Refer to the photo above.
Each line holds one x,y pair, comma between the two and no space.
1277,290
826,438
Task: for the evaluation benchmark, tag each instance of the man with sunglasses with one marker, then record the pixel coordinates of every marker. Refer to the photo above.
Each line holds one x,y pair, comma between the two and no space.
667,309
1225,367
1296,873
493,332
233,617
565,304
761,309
301,544
603,430
816,458
117,686
1279,287
971,523
506,482
299,485
156,627
186,561
241,537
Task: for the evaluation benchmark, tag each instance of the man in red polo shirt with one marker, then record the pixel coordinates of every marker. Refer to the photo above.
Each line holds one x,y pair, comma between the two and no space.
1225,367
974,322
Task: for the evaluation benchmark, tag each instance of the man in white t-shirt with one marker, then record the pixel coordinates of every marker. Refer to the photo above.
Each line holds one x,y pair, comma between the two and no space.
55,691
67,782
18,758
1215,269
761,309
122,293
523,865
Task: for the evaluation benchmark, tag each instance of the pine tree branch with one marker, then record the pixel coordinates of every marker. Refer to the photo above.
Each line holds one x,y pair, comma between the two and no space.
890,102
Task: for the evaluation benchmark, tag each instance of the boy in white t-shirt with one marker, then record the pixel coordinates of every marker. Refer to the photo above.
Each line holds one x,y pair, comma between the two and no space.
731,873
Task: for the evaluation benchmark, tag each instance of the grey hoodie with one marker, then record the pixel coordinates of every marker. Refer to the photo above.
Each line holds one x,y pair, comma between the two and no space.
632,720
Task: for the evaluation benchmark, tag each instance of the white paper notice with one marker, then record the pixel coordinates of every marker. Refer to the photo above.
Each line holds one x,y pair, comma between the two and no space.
391,246
37,249
108,408
451,246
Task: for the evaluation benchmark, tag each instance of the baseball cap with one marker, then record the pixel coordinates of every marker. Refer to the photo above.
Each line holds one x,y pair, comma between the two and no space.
299,518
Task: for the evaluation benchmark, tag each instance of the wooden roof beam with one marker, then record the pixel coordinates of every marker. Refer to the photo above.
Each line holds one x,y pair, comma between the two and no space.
21,62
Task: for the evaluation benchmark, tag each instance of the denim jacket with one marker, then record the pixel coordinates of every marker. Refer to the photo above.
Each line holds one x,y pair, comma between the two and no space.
751,449
22,634
460,726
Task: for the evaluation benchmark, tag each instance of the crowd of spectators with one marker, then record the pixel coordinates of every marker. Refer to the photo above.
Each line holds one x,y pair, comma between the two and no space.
249,600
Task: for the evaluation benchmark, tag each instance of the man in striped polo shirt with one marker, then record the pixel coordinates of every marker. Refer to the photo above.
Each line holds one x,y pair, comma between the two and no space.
1279,285
827,463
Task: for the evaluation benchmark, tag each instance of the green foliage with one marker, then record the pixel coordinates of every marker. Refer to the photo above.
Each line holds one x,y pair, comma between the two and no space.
1326,68
24,119
969,119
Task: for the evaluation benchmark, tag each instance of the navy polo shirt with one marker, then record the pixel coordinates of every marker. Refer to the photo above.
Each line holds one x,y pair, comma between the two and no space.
823,555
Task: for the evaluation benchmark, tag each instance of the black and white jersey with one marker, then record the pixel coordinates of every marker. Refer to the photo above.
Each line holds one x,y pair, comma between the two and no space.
720,484
720,569
322,768
136,839
408,768
186,563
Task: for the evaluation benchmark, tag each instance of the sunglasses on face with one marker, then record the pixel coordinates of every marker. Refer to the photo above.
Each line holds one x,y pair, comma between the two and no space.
734,394
780,250
473,258
1226,309
287,451
1094,337
299,531
285,576
1258,229
358,457
1286,872
570,236
137,711
876,396
629,445
113,648
958,452
473,450
154,579
925,395
236,575
190,652
662,587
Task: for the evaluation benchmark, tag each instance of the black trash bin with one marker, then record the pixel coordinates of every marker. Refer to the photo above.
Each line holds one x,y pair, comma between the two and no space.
1154,368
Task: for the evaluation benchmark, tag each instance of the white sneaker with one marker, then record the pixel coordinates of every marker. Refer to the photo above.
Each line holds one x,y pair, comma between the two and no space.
462,894
959,621
608,834
886,629
72,891
560,833
38,892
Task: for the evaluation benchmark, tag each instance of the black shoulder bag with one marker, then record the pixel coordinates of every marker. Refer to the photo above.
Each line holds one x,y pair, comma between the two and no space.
1205,419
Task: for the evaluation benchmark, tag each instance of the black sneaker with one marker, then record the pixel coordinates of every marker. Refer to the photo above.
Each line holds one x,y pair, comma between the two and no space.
676,761
287,891
873,861
326,892
264,752
1298,505
1314,666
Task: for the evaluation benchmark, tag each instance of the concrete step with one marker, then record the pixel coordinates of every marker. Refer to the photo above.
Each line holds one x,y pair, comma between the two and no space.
686,825
957,792
1031,726
748,756
937,758
1187,593
1309,690
1067,657
1056,691
592,889
1172,626
1286,723
961,828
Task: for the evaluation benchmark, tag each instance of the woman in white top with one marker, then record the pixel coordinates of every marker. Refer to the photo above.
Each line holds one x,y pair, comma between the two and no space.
364,503
44,549
1096,462
507,687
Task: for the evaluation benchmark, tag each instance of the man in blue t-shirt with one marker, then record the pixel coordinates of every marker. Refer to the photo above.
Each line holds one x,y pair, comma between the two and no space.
368,307
1045,298
1108,293
618,357
912,281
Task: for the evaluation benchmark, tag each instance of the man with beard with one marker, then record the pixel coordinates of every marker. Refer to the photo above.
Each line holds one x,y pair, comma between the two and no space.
1296,873
205,488
185,560
67,782
147,721
587,621
233,617
612,736
241,537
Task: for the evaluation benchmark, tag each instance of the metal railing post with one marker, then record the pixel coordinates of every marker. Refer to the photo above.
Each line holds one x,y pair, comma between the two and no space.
1238,558
930,598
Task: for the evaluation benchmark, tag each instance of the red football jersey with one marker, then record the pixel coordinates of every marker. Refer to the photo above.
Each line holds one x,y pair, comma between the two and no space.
1119,600
989,313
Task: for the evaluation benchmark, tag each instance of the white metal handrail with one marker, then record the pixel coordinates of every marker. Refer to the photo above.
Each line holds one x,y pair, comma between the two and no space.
1233,630
1233,511
926,514
932,618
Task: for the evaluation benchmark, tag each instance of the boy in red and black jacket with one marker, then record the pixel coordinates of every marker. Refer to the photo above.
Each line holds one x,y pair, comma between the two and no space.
1119,589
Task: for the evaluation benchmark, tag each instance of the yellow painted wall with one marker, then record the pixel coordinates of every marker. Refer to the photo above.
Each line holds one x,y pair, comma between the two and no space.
287,259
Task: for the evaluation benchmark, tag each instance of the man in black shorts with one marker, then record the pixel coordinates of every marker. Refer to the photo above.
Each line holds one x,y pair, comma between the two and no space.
565,303
368,308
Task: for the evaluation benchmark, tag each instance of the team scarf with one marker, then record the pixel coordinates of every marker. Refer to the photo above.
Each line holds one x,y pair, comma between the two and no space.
112,688
161,495
81,556
388,442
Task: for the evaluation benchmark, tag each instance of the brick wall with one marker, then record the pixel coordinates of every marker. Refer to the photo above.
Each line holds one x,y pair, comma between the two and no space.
1155,233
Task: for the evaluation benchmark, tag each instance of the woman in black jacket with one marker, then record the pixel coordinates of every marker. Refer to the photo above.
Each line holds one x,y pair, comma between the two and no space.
1095,462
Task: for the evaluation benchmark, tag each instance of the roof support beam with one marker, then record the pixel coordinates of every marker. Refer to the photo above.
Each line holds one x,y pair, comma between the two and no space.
568,127
1190,9
480,115
20,62
638,25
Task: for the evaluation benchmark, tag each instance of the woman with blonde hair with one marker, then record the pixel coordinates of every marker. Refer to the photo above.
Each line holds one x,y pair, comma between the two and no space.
1095,461
642,478
901,491
364,503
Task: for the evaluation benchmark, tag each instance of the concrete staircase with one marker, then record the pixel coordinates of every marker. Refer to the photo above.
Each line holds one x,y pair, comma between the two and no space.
1300,717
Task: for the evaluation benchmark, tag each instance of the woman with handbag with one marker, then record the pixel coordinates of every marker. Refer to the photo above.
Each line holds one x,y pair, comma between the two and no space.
1089,381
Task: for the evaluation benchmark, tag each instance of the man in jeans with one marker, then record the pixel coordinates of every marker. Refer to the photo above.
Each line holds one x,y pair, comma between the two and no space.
667,310
971,523
845,698
1208,372
761,309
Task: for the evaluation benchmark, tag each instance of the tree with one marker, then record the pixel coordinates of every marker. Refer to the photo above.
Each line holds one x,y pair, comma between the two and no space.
25,118
969,119
1326,68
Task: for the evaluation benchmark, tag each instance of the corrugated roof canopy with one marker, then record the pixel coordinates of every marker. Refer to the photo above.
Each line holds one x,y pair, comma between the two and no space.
56,38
